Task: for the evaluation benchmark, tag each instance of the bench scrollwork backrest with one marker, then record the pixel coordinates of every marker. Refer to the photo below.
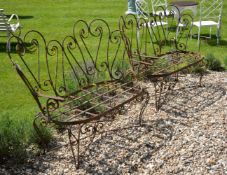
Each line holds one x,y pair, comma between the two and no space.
156,35
53,69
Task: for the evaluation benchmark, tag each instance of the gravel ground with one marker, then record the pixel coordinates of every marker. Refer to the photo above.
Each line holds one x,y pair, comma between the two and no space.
187,136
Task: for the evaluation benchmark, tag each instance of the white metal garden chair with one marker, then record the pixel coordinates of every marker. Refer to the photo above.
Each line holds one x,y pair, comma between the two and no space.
8,25
158,6
210,16
144,10
152,6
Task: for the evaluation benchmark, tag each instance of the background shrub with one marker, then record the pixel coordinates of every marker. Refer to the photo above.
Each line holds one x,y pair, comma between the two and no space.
16,135
12,137
213,63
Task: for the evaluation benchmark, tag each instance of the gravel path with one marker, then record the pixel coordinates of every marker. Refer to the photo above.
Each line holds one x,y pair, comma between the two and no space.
187,136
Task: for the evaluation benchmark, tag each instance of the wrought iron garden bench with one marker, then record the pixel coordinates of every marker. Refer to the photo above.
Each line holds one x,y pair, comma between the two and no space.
160,53
81,83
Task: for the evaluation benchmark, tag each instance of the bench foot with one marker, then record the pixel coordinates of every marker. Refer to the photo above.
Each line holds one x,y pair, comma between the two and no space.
200,80
145,98
76,156
39,133
84,134
161,89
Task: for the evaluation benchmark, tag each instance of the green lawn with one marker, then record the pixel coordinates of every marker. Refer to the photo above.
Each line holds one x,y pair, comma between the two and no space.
55,18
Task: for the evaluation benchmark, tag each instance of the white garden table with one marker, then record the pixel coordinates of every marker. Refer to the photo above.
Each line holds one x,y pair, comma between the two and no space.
186,5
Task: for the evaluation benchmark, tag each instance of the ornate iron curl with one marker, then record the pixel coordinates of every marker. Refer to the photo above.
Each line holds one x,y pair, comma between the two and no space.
181,46
70,59
33,41
115,38
90,69
94,29
90,129
127,22
70,43
84,82
53,48
83,31
47,83
185,21
97,28
51,105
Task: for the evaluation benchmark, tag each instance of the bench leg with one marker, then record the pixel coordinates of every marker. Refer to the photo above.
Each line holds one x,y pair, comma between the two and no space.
146,99
161,88
39,133
85,134
200,79
157,91
76,156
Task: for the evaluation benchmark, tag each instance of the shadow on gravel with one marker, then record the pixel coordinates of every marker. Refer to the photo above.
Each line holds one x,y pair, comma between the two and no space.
119,151
122,151
127,150
186,102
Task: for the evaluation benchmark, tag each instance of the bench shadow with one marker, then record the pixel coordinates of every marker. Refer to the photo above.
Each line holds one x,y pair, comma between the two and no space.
186,102
114,151
211,41
3,47
124,149
22,16
13,47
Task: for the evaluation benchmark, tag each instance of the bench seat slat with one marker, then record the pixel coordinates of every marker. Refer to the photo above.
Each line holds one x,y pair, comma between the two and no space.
69,113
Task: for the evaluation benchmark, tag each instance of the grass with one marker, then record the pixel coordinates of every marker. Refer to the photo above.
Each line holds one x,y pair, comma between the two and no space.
54,19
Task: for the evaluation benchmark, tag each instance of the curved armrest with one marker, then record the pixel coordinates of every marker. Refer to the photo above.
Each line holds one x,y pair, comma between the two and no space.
12,16
52,97
14,26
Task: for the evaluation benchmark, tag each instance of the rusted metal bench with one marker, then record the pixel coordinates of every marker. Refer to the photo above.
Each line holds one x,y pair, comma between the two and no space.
81,83
160,53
